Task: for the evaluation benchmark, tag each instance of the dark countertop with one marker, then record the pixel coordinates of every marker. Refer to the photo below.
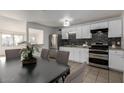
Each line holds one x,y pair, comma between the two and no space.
80,46
117,48
76,46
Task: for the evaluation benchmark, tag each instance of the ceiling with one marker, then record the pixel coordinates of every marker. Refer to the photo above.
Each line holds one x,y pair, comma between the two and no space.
52,17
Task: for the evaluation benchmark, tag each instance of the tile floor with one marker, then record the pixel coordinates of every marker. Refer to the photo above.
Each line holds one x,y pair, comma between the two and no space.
98,75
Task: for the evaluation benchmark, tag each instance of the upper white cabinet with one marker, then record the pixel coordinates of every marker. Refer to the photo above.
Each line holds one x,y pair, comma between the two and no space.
78,31
115,28
99,25
64,34
116,59
83,32
86,31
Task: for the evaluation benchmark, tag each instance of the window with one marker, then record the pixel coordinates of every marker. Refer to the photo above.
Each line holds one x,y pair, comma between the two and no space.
36,36
18,39
32,39
7,40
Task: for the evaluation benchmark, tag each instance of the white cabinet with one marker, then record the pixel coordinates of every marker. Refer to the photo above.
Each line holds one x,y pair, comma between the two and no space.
77,54
65,33
70,50
78,31
71,55
115,28
84,55
83,32
99,25
86,31
116,59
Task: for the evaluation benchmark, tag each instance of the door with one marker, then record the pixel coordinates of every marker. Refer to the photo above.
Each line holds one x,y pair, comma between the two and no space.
78,32
99,25
86,31
64,33
115,28
116,59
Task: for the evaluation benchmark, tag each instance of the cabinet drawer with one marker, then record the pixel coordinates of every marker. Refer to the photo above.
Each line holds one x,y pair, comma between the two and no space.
116,52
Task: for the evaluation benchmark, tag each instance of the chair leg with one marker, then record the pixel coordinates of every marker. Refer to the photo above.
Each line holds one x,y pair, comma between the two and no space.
56,81
63,79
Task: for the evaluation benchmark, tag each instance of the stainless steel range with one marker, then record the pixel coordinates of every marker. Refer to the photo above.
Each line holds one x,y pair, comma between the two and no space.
98,53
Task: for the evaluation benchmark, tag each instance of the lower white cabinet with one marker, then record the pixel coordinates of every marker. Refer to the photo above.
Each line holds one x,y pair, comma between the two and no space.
77,54
116,59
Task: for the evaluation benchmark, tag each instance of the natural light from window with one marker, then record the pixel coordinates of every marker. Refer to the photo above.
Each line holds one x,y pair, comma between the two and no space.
36,36
7,40
18,39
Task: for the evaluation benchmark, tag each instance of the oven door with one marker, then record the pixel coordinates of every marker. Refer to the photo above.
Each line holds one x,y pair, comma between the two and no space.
100,59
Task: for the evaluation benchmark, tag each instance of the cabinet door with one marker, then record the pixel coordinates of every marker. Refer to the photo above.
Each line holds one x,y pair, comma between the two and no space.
76,54
78,31
115,28
64,33
71,54
116,60
83,55
86,31
99,25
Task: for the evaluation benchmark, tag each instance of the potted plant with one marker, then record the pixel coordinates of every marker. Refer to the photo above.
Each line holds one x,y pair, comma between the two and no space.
27,53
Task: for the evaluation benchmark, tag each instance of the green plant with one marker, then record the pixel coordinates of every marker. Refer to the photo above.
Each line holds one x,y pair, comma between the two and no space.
27,53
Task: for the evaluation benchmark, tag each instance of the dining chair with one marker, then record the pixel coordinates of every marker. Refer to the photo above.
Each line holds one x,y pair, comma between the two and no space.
44,53
77,76
62,57
52,55
13,54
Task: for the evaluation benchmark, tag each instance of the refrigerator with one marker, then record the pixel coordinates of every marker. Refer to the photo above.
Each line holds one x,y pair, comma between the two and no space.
54,41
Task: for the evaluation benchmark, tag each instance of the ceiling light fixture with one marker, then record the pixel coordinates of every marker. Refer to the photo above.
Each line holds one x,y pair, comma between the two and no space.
66,23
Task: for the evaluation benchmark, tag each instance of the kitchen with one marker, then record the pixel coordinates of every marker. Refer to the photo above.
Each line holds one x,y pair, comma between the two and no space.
80,41
83,32
92,37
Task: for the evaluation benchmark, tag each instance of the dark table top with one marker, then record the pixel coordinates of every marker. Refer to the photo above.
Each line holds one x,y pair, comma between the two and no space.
43,71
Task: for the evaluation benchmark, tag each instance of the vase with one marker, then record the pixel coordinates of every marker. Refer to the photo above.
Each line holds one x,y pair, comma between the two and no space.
30,61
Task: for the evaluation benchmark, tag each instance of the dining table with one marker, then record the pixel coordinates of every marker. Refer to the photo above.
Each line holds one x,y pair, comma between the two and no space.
43,71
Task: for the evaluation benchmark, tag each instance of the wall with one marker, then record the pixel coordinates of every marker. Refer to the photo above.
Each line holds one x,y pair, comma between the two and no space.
9,25
47,31
123,31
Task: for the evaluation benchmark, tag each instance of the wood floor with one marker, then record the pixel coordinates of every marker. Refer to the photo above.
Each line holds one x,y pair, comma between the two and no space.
98,75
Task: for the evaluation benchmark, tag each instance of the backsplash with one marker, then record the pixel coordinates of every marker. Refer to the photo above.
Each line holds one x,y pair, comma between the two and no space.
75,41
90,41
116,40
100,36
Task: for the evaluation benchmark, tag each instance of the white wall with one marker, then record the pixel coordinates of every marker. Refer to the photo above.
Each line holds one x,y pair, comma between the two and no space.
123,31
8,25
123,77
